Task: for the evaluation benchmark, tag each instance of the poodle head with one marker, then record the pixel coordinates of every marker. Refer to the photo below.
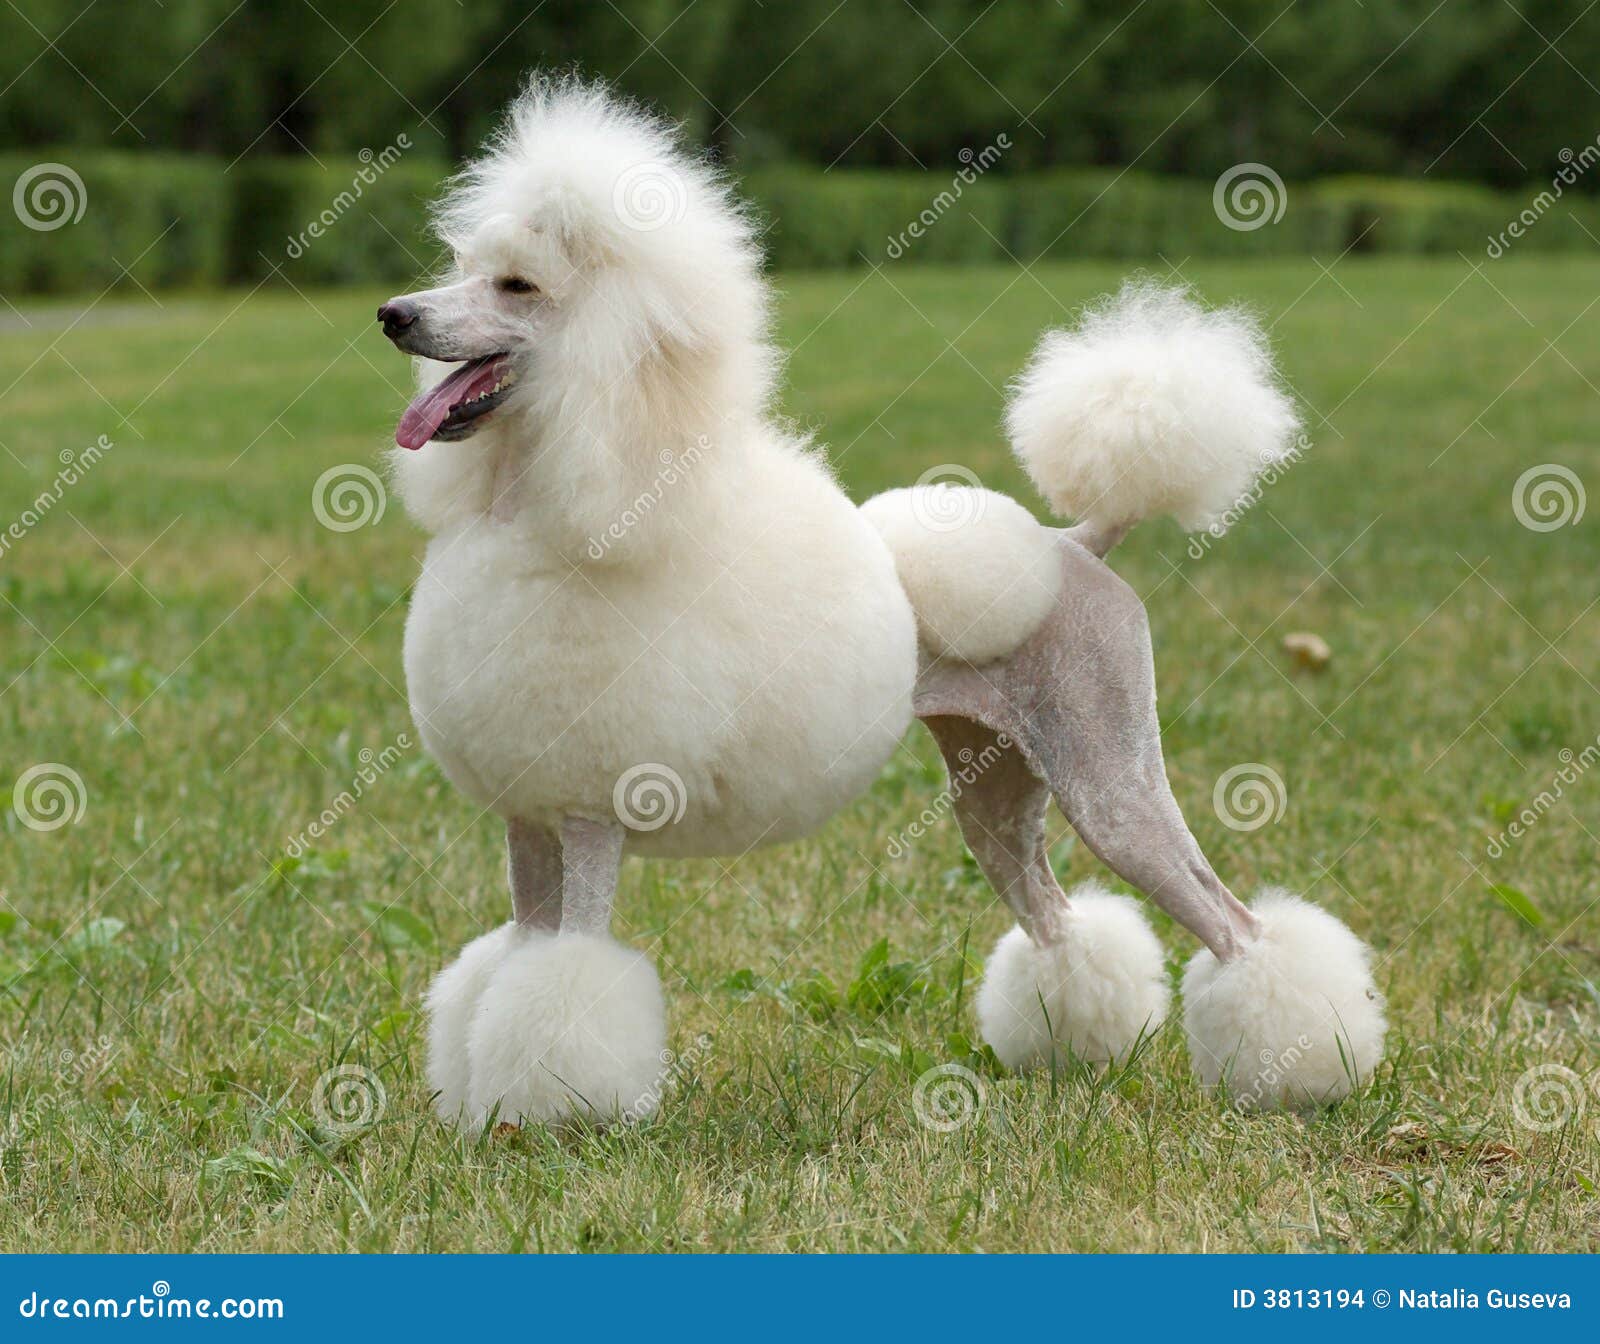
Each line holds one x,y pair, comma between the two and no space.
592,252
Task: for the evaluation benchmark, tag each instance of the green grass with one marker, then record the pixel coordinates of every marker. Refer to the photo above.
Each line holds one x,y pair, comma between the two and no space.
211,661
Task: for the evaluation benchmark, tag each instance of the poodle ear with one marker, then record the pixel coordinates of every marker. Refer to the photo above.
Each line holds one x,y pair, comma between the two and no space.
573,227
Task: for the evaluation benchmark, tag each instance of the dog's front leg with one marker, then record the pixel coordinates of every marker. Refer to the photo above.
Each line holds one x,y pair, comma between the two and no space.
547,1018
563,880
534,874
591,856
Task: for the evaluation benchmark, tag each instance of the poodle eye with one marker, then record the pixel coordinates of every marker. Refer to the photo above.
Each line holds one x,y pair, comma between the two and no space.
515,284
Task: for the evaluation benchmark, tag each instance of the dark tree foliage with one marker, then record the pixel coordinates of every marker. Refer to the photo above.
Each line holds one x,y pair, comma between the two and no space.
1492,90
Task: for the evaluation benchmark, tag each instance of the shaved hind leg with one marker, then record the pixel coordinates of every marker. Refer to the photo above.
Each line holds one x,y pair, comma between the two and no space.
1077,700
1279,1009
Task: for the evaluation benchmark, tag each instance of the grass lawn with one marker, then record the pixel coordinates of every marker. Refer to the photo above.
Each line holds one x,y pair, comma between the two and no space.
213,663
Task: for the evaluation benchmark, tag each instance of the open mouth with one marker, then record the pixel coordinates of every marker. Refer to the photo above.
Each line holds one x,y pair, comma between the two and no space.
452,409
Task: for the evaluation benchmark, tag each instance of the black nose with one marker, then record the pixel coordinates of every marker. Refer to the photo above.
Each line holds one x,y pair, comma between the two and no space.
396,316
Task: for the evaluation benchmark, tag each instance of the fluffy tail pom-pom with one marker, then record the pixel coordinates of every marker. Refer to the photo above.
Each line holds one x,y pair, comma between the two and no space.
1293,1021
1090,992
1153,404
570,1027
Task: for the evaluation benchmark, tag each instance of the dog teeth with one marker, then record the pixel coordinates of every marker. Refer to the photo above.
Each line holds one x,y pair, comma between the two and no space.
483,396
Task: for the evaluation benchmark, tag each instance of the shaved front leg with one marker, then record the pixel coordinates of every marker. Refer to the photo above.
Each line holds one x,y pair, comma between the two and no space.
563,880
591,853
533,868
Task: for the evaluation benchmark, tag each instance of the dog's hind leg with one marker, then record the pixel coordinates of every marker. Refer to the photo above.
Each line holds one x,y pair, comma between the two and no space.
999,802
1286,986
1078,702
1082,976
552,1020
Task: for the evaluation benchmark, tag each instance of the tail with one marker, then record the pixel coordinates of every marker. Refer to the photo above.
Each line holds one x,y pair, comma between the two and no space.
1152,404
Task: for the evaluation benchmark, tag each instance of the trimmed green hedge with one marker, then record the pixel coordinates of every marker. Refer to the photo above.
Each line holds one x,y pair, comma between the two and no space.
160,219
823,219
173,220
348,222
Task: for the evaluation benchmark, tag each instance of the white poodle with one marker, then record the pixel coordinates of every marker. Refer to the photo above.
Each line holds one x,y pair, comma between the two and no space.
649,622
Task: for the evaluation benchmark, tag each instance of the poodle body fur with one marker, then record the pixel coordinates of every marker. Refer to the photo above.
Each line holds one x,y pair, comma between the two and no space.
633,564
768,661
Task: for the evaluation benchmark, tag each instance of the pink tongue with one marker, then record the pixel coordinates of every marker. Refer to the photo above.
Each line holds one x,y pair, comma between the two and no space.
432,408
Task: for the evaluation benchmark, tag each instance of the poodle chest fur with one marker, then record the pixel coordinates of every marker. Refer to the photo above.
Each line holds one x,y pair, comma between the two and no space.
764,702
